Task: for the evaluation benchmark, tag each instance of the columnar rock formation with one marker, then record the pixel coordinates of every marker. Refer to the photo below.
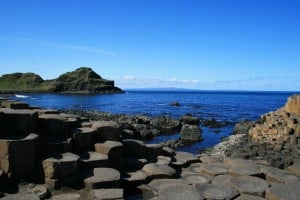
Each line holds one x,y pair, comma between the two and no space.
68,151
293,105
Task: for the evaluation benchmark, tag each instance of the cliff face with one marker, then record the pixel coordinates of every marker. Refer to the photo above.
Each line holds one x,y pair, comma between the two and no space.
293,105
82,80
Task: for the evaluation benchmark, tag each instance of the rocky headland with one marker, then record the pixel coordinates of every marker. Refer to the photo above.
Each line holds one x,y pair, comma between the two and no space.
48,154
81,81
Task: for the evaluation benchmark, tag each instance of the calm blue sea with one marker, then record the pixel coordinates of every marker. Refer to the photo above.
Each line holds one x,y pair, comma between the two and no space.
222,105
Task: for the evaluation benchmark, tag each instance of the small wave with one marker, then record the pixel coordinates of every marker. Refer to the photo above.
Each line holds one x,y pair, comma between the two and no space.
21,96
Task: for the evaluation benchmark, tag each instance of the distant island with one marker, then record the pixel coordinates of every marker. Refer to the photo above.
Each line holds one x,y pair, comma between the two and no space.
81,81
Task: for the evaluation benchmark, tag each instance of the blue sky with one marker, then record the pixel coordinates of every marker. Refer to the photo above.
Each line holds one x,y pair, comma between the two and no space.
198,44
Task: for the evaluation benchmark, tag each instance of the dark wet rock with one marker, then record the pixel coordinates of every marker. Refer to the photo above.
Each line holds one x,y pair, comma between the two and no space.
175,103
243,127
190,133
166,124
189,119
213,123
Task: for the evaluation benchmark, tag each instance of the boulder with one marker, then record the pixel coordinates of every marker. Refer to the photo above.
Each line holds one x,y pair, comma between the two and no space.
61,165
114,150
18,121
190,133
166,124
158,171
249,185
91,159
108,194
84,139
18,155
189,119
107,130
101,178
243,127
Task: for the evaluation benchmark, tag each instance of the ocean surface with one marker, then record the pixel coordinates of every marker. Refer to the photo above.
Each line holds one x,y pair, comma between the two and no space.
224,106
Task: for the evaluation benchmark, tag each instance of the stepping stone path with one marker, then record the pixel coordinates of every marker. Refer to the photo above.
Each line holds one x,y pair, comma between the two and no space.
158,171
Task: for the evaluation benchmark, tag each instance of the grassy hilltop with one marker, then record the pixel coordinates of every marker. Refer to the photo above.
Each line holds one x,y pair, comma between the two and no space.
82,80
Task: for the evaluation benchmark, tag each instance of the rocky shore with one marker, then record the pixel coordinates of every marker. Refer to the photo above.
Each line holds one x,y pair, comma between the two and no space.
48,154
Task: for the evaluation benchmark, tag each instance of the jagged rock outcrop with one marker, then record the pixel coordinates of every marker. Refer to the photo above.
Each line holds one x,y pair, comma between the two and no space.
82,80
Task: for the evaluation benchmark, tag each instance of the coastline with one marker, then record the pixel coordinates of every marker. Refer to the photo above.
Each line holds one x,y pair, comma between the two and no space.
97,156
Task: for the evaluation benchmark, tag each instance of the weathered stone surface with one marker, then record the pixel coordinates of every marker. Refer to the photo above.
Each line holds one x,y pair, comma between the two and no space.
67,196
209,159
101,178
294,169
276,175
212,191
243,127
239,167
114,150
84,139
293,105
279,191
61,165
136,178
190,133
151,190
178,192
249,197
195,179
212,169
108,194
158,171
18,121
163,160
249,185
93,159
221,180
21,197
40,190
107,130
18,155
54,125
184,158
